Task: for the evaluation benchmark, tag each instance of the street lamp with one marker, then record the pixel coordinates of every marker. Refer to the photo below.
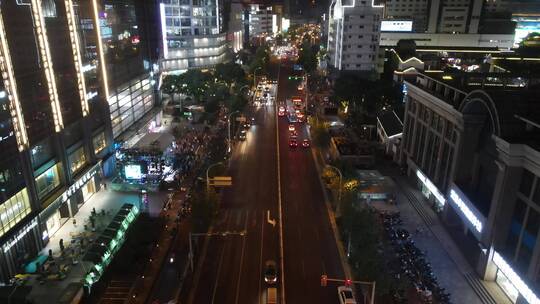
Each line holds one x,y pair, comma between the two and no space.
229,128
223,233
338,208
255,76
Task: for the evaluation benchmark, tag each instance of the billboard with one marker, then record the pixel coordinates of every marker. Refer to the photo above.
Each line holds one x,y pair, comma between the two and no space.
396,26
133,171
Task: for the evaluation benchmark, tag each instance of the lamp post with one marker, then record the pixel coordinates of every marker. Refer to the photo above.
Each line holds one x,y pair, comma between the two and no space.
255,76
223,233
207,174
338,208
229,128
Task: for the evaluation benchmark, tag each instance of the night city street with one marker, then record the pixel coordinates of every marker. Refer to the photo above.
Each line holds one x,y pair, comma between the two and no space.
270,152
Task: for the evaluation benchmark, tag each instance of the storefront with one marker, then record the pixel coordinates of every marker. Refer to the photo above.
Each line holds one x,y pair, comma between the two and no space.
430,191
511,283
23,243
67,205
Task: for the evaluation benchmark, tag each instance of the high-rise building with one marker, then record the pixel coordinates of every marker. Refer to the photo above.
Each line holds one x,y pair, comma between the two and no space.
415,10
69,68
193,35
437,16
353,35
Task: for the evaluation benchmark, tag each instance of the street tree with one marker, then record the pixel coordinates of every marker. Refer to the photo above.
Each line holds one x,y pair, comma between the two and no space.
307,57
170,85
260,60
195,83
230,73
320,134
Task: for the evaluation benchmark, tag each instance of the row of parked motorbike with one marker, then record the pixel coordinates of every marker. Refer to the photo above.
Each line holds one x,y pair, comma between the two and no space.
411,262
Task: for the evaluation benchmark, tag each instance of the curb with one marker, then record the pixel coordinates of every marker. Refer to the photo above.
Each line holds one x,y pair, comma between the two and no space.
339,243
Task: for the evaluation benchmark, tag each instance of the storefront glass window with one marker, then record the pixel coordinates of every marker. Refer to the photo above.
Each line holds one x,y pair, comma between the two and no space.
77,159
507,286
47,181
99,142
13,210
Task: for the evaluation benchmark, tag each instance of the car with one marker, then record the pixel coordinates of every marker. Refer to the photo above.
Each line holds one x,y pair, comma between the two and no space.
292,128
242,135
305,143
270,272
293,143
281,113
247,125
346,295
293,133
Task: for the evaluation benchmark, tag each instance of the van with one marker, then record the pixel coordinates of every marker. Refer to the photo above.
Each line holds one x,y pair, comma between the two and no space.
271,295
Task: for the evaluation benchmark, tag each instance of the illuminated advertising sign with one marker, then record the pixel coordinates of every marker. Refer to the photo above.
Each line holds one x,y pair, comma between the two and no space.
466,210
432,188
133,171
396,26
515,279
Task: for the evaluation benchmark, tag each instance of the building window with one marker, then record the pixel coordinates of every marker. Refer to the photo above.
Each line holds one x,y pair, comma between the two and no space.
48,181
77,159
526,183
14,210
99,142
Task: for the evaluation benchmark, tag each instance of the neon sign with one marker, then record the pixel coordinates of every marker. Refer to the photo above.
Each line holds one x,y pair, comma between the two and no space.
431,187
515,279
466,211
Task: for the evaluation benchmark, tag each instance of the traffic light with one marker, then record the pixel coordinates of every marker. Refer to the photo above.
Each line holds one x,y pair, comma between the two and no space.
348,282
324,280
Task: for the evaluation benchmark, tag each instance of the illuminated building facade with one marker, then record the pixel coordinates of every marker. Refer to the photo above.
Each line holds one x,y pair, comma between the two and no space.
193,35
353,35
471,141
64,63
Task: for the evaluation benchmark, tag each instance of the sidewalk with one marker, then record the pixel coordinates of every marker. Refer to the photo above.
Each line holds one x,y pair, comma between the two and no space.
110,201
450,267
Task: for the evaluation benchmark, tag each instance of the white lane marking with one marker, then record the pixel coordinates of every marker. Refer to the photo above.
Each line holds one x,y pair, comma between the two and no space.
241,259
227,225
261,257
218,273
281,256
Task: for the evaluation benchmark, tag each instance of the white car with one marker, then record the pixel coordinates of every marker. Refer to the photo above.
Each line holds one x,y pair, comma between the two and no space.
346,295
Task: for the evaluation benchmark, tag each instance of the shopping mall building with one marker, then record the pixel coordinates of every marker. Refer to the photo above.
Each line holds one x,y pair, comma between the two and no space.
75,75
471,141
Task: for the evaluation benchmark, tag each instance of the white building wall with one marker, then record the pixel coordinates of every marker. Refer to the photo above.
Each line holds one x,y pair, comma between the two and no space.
353,35
450,40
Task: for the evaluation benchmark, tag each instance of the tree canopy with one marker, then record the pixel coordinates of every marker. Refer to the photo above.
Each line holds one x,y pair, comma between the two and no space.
307,57
230,73
260,60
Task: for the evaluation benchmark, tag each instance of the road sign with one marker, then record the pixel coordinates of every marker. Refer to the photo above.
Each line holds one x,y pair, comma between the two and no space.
241,118
220,181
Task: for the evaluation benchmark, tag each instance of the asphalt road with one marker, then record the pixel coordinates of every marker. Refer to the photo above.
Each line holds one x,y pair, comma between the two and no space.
309,244
232,269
